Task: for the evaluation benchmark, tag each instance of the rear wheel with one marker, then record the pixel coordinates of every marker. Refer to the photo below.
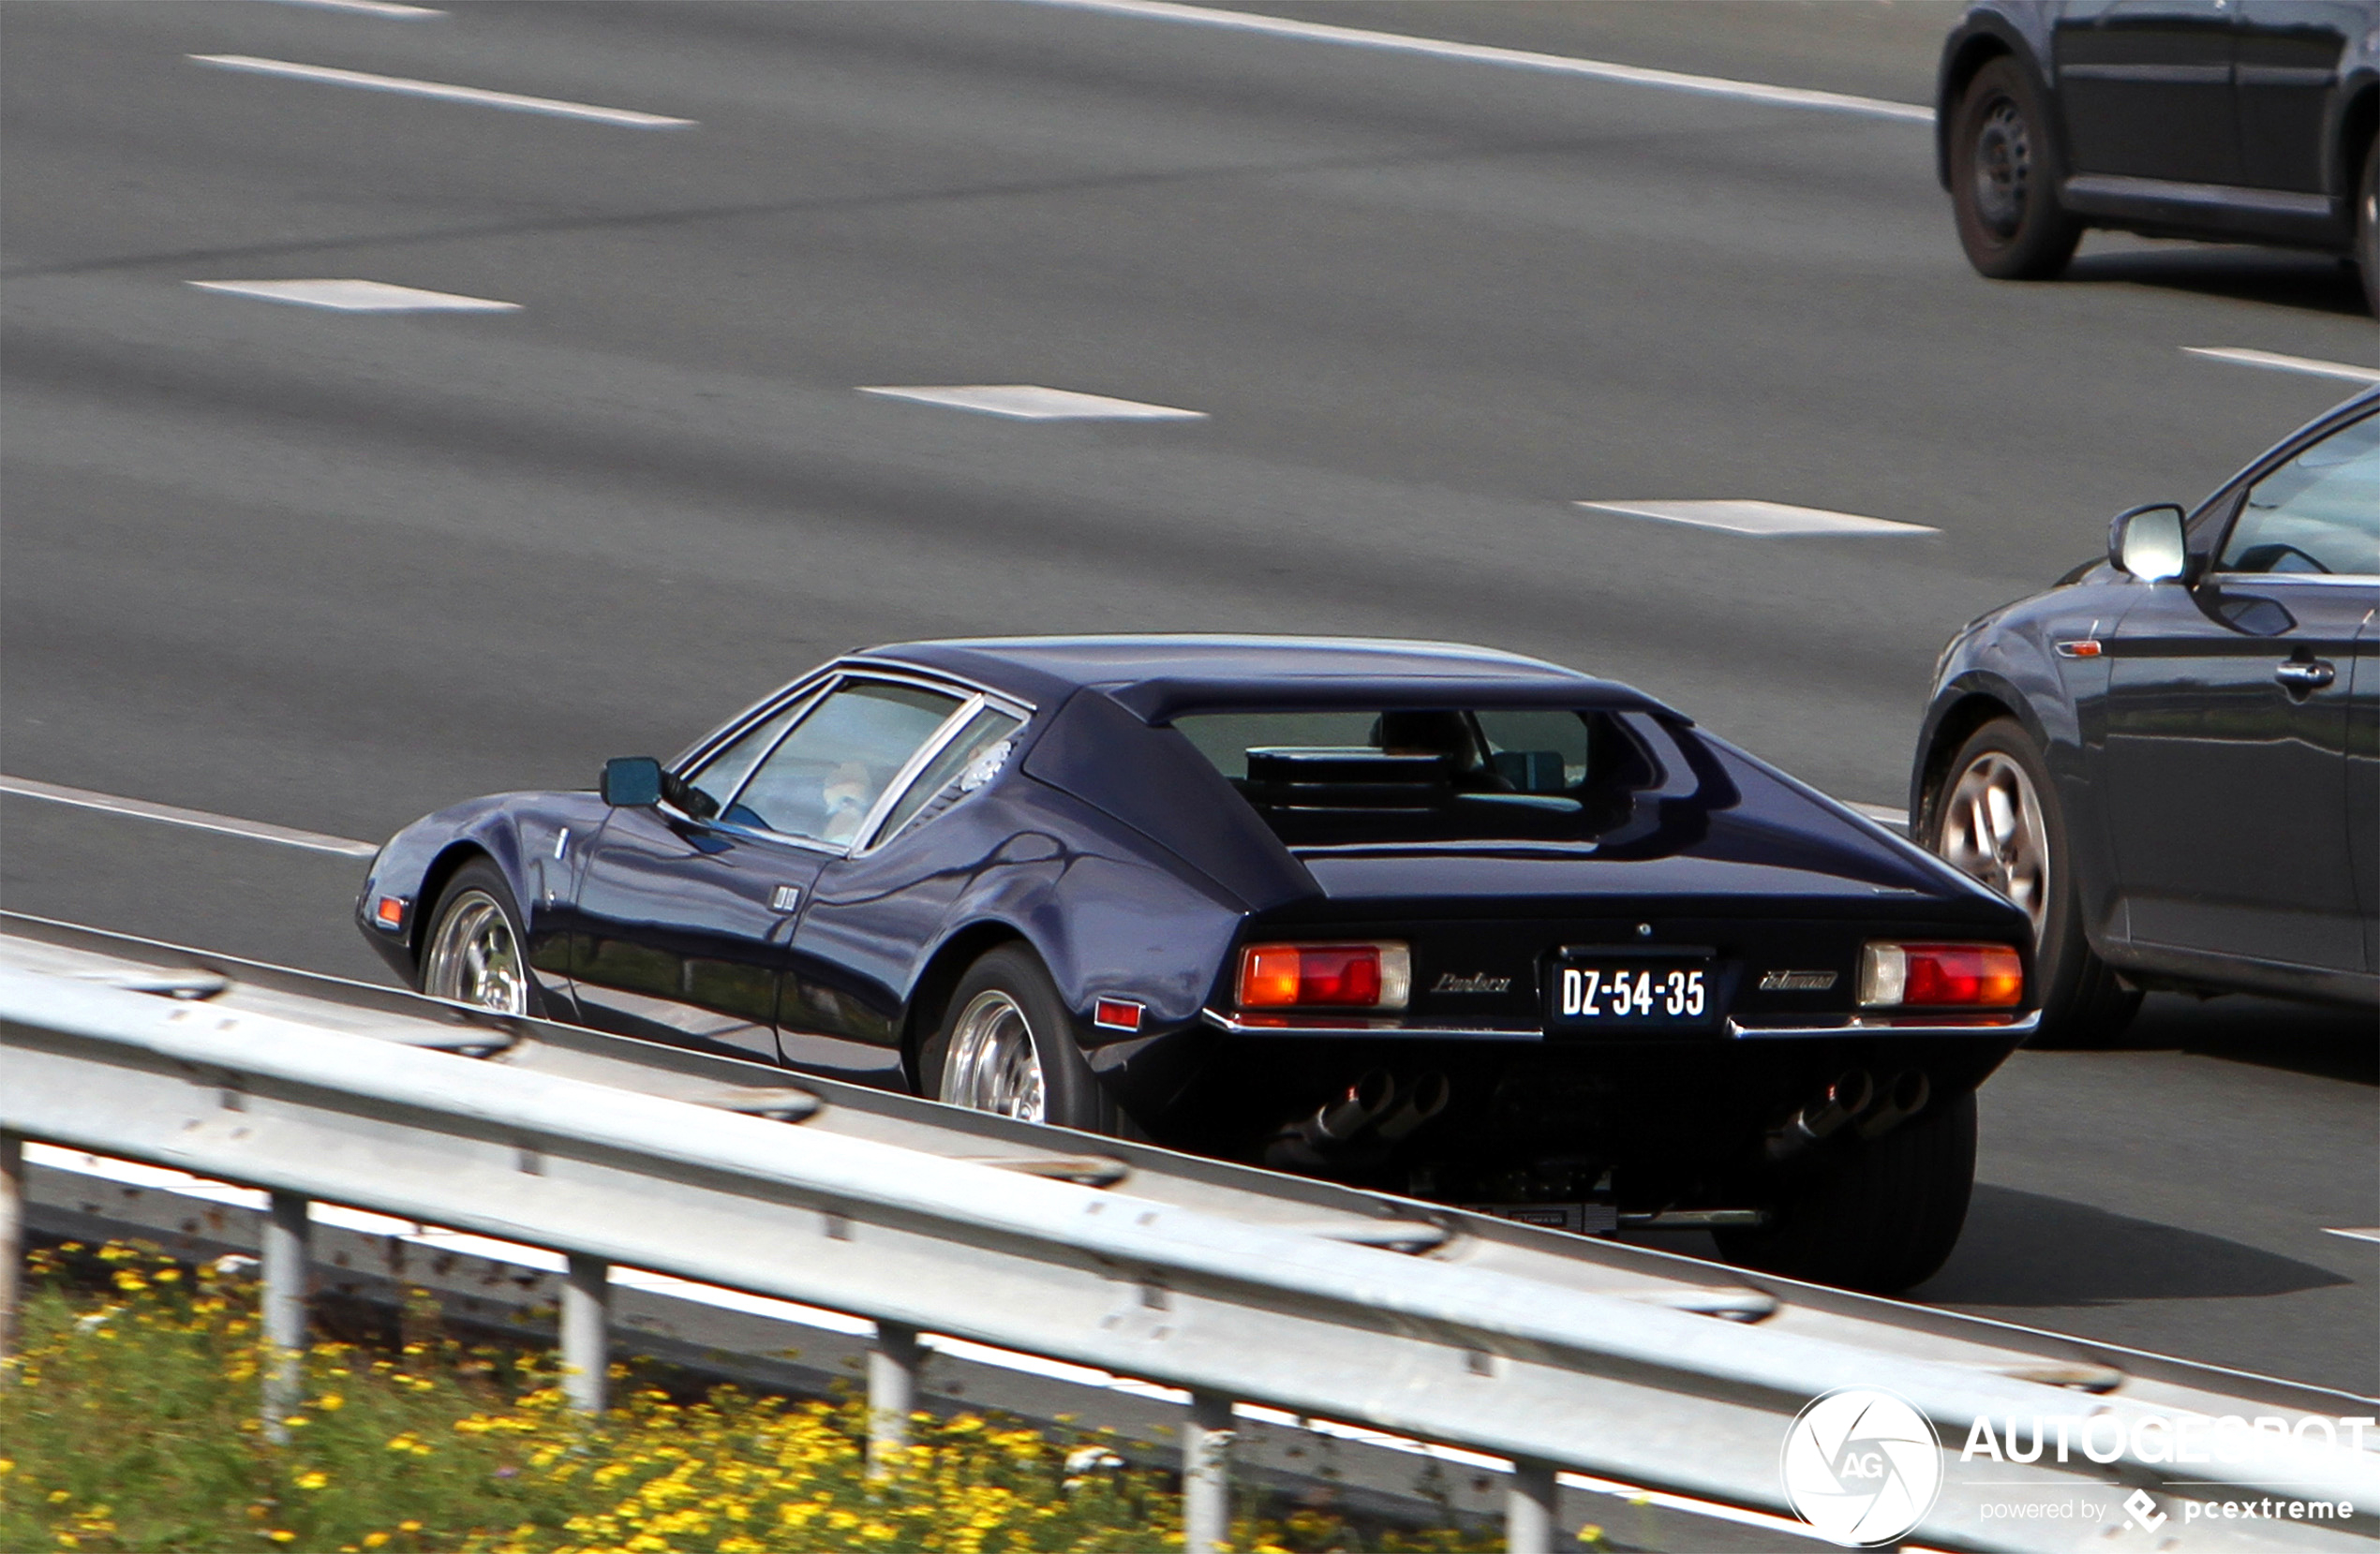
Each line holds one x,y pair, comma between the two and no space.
475,953
1880,1216
1996,820
2004,172
1007,1045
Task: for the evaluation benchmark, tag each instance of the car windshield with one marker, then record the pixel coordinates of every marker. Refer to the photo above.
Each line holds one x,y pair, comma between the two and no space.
1367,775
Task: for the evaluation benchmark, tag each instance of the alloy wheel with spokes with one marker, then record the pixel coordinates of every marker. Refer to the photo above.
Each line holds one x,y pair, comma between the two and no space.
991,1065
1993,830
2004,167
475,956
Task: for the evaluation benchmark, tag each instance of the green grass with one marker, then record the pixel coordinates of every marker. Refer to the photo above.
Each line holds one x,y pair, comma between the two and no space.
127,1422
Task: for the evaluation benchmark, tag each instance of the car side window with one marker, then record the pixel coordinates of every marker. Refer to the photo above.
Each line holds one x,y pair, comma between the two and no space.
725,771
2319,512
971,758
824,777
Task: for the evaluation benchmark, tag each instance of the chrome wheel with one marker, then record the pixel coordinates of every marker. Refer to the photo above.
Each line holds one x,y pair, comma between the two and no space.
2003,168
1993,830
991,1065
474,958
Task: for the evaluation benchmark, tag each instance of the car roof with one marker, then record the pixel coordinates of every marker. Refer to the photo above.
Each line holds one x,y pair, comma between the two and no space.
1161,675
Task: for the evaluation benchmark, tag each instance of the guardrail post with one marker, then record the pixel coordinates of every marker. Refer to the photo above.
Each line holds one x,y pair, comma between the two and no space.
1532,1509
1206,1475
287,1263
892,1392
12,1239
587,1319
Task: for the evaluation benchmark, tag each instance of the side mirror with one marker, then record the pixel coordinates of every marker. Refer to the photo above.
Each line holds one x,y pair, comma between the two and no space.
632,781
2149,543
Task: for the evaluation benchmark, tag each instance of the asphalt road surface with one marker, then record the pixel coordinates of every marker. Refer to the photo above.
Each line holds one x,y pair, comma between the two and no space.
332,569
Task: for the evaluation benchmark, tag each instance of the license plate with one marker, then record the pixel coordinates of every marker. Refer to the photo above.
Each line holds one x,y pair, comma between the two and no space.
1599,992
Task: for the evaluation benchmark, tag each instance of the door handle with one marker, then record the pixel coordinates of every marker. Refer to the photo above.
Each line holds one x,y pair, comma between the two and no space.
2301,677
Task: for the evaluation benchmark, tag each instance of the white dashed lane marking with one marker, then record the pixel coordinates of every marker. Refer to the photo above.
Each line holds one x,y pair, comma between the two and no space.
387,10
1522,59
197,820
2273,360
407,86
2371,1235
358,296
1028,401
1763,519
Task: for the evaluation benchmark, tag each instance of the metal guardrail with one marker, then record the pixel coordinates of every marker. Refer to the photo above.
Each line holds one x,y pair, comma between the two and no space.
1554,1352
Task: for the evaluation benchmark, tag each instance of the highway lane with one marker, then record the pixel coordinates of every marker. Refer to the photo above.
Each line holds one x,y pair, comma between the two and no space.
333,569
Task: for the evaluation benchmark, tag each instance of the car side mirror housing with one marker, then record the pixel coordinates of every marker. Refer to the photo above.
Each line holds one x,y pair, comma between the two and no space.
632,781
2150,544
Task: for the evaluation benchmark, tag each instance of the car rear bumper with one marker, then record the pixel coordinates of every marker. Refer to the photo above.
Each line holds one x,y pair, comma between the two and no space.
2013,1027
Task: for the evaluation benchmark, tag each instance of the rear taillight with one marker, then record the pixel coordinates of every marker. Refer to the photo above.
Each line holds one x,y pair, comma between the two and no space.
1941,976
1325,976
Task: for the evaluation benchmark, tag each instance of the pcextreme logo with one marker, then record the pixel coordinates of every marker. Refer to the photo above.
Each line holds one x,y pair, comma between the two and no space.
1862,1467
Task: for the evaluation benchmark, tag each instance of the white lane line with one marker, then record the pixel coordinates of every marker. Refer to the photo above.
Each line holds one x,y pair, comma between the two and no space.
1882,814
1028,401
359,296
2354,1235
1522,59
197,820
388,9
1764,519
2273,360
410,87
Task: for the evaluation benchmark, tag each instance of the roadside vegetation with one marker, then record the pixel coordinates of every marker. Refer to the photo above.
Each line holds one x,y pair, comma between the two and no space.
127,1422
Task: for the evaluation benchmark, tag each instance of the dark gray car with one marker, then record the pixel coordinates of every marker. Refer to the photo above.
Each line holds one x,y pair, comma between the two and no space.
2171,760
2228,121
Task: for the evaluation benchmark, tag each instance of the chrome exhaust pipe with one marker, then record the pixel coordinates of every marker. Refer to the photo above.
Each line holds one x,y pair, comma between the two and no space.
1340,1120
1431,1093
1836,1104
1904,1098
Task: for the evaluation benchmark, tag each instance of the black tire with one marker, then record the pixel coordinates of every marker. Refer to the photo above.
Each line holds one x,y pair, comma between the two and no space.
1070,1096
2083,1003
477,888
2003,179
1877,1215
2368,226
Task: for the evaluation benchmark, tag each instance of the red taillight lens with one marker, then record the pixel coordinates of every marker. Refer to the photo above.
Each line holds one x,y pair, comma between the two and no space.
1329,976
1939,976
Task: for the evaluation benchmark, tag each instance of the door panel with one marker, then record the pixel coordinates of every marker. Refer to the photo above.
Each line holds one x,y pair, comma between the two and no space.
682,928
2224,788
2287,70
2146,89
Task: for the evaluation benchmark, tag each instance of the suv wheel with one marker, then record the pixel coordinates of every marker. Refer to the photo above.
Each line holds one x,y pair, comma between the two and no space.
2003,173
1996,819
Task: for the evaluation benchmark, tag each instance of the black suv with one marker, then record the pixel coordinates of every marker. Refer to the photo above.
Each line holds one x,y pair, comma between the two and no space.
2227,121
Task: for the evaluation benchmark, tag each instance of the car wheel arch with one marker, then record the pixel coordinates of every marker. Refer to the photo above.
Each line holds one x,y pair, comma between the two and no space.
1976,705
450,860
930,995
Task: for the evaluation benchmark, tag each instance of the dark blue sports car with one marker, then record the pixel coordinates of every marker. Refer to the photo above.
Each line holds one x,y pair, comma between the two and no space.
1435,918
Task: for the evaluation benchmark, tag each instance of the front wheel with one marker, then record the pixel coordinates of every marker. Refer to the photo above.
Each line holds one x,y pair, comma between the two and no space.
2003,173
1996,820
1007,1045
1882,1218
476,951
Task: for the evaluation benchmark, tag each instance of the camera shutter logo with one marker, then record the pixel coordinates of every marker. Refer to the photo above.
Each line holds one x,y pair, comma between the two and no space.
1862,1467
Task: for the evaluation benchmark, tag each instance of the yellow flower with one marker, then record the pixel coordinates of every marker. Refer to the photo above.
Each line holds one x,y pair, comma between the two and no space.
373,1540
313,1479
408,1526
282,1534
330,1402
59,1497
